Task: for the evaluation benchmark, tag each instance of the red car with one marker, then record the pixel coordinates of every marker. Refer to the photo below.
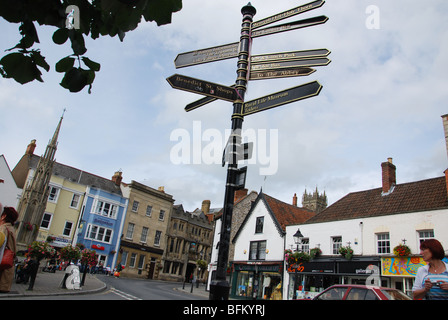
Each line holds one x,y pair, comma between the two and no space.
360,292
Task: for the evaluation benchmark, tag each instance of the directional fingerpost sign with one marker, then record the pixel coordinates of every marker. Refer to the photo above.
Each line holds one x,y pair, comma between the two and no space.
249,67
304,91
288,14
292,55
282,73
206,88
199,103
289,26
191,58
290,64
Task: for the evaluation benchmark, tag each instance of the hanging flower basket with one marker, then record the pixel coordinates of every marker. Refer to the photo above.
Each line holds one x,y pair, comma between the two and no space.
40,250
70,253
346,252
402,250
292,258
315,252
28,226
89,257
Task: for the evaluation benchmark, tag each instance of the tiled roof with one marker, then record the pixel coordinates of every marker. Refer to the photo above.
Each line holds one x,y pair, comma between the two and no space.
416,196
282,213
286,213
79,176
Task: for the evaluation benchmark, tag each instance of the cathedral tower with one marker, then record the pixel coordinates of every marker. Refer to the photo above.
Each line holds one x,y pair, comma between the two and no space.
314,201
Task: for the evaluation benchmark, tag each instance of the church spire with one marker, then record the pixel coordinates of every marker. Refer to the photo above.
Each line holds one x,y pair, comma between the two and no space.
32,205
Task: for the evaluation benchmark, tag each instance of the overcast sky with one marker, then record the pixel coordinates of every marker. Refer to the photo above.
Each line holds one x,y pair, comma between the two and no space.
383,96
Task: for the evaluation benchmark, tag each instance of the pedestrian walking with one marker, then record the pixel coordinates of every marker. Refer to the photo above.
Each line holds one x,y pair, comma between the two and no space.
7,219
431,281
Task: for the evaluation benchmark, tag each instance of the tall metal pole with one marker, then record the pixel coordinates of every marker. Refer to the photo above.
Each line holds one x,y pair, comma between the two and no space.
219,288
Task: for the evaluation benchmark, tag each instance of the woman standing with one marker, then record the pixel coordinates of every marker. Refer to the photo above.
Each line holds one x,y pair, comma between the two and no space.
431,281
7,219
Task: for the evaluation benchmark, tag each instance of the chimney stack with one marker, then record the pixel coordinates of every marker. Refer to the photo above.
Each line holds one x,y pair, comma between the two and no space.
31,147
117,178
294,200
388,176
239,194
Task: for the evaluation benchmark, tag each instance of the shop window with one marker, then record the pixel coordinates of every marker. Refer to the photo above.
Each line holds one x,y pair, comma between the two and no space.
262,285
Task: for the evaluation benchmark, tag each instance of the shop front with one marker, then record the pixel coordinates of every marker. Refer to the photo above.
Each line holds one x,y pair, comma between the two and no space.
307,279
257,280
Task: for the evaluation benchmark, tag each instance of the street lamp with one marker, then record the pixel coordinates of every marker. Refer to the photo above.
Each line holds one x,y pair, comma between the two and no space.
297,238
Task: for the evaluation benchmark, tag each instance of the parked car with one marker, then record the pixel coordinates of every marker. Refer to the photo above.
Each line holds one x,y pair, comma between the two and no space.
360,292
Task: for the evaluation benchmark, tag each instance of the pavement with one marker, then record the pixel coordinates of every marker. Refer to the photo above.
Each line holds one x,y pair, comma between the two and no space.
201,291
49,284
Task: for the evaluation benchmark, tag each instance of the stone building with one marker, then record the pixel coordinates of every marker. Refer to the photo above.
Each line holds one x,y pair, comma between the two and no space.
189,239
145,227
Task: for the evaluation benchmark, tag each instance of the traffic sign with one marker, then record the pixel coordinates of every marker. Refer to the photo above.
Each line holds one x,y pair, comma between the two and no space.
301,92
206,88
191,58
201,102
282,73
291,55
287,14
290,64
289,26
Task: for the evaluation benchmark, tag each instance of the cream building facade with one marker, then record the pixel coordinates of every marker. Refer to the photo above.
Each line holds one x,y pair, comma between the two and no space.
144,235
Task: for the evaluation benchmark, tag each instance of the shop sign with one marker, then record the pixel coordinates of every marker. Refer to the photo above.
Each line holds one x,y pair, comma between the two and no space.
401,266
258,267
312,267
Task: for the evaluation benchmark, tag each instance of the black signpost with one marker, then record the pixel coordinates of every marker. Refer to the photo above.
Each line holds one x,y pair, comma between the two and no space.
268,66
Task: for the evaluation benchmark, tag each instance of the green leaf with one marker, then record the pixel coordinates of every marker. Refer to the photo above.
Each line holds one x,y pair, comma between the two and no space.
20,67
77,40
95,66
65,64
60,36
160,11
74,80
39,60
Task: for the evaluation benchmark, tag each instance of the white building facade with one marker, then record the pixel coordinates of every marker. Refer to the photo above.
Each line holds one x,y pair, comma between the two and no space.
371,223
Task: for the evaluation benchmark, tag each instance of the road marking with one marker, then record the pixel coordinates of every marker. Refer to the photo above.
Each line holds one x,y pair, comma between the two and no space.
125,295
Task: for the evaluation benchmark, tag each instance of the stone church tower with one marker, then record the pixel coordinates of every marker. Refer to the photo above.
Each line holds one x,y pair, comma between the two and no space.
314,201
32,205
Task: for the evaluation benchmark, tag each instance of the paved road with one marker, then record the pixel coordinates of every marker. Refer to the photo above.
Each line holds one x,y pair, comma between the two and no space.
136,289
133,289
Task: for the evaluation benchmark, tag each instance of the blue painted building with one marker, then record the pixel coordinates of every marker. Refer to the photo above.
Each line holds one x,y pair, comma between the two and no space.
101,222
